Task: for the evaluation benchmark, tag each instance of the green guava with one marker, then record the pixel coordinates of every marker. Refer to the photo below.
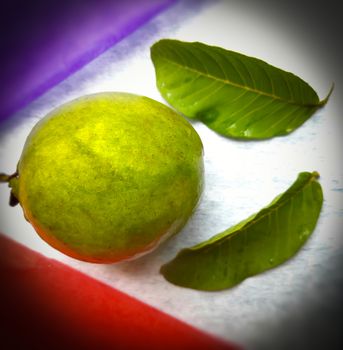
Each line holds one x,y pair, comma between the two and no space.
108,176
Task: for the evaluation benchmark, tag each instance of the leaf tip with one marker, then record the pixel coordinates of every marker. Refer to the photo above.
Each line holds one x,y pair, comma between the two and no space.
162,269
326,99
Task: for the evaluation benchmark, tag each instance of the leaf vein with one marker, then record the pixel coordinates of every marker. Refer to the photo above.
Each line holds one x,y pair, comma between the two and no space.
260,215
245,87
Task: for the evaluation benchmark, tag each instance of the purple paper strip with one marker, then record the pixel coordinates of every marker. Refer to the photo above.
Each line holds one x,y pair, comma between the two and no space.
42,43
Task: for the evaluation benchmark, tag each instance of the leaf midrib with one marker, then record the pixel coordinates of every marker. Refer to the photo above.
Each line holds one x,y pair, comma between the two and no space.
253,221
244,87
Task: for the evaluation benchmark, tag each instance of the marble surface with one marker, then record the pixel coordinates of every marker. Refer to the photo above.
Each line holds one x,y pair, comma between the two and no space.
292,306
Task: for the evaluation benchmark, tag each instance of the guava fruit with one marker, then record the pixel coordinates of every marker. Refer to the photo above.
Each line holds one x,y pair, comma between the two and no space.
108,176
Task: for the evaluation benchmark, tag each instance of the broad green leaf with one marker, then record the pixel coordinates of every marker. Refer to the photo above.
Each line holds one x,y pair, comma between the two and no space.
259,243
233,94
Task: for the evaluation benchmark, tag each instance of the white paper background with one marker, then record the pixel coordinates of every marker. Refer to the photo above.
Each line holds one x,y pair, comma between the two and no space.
241,177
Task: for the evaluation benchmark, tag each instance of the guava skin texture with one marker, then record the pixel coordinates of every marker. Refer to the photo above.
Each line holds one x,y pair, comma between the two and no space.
108,176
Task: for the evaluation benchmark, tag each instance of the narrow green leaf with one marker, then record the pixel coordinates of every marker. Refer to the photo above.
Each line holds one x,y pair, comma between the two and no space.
233,94
259,243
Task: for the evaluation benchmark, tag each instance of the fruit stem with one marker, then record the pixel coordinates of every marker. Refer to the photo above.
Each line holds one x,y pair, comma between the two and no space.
7,178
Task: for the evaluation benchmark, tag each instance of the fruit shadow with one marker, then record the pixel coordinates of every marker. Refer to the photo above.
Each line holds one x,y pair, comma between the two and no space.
151,262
